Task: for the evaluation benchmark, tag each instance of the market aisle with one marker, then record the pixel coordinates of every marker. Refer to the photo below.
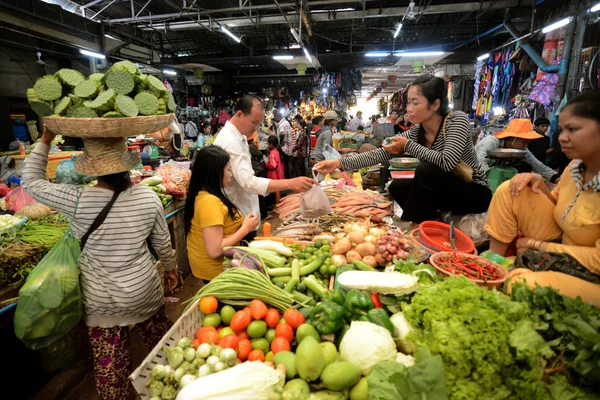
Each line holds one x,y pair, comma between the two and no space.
87,391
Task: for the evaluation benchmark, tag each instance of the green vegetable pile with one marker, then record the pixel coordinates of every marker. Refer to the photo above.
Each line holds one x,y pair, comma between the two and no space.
123,91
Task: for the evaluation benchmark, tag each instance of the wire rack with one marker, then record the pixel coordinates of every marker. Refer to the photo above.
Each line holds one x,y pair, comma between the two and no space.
586,69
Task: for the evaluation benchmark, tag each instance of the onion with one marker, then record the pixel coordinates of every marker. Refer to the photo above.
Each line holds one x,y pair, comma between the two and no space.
338,260
371,239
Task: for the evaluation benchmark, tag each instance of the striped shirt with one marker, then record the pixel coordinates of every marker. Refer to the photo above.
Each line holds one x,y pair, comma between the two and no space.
119,280
446,154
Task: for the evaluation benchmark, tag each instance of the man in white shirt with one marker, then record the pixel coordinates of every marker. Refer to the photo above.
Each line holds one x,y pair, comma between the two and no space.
191,131
287,141
245,186
356,122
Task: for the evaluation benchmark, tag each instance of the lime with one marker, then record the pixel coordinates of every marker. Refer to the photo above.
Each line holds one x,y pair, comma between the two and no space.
213,320
326,248
270,335
269,356
318,244
332,269
323,269
227,314
226,331
257,329
261,344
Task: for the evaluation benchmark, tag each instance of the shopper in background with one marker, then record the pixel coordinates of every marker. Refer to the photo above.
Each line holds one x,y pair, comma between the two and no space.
538,147
275,165
326,135
318,123
245,187
191,130
356,122
441,141
120,283
560,229
287,139
300,151
212,222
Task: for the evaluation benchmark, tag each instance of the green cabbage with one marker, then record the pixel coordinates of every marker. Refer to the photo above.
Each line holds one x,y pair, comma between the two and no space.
366,345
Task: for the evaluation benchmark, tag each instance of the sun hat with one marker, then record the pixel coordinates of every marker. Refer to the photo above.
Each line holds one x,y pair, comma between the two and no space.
105,156
520,128
331,115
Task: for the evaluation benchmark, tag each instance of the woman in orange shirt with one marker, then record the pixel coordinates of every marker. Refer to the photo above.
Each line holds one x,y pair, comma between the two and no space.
211,220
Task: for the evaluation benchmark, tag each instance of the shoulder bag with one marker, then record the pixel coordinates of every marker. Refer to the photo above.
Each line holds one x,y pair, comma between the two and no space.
462,170
99,220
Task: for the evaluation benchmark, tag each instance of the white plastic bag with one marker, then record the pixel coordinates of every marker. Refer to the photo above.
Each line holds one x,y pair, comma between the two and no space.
315,202
329,153
474,226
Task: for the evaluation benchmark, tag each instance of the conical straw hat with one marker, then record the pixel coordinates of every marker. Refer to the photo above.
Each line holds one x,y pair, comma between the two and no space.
105,156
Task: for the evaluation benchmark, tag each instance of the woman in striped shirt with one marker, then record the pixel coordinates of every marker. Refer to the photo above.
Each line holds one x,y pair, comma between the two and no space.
120,283
435,188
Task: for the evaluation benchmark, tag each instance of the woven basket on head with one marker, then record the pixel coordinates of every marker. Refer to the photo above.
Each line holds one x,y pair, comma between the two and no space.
107,127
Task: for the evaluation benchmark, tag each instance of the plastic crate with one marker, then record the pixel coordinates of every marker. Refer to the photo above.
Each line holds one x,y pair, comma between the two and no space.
186,326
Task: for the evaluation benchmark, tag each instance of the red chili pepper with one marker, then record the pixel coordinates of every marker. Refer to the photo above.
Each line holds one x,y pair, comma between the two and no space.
375,300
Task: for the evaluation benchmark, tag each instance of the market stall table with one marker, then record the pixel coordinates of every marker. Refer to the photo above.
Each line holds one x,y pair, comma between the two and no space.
53,160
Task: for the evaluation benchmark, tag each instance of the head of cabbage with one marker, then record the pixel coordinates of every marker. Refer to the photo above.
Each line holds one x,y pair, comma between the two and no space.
366,345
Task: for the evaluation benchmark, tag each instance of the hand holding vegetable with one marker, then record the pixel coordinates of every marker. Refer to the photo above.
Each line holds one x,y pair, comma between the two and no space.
250,222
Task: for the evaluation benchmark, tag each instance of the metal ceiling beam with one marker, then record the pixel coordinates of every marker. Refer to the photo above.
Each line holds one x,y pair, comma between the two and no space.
324,17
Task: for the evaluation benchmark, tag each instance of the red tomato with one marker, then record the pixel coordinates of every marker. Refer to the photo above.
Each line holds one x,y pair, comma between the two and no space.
202,332
256,355
247,311
196,343
293,317
285,331
240,320
280,344
243,335
258,309
244,348
229,342
272,318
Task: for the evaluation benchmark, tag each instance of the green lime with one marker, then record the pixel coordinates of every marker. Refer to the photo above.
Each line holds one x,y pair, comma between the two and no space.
213,320
323,269
326,248
327,262
326,243
332,269
227,314
269,356
257,329
318,244
261,344
226,331
270,335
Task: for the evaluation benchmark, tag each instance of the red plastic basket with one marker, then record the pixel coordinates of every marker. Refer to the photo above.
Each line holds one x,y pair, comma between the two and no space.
437,235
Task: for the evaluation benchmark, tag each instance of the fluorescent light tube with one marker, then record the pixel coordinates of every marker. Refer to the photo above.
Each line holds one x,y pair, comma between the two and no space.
307,54
283,57
483,57
419,53
92,54
231,35
595,8
169,72
397,30
377,54
557,25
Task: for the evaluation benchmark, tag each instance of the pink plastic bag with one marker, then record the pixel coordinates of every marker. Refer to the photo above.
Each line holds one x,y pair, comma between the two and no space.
17,199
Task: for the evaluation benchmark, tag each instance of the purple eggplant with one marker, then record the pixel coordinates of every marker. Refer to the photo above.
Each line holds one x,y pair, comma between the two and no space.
244,259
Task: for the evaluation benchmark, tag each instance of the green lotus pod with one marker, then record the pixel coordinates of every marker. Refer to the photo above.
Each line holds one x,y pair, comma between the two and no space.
62,106
75,101
81,112
103,103
70,77
48,88
171,105
162,107
87,89
155,85
120,81
126,106
113,114
98,77
128,66
40,107
147,103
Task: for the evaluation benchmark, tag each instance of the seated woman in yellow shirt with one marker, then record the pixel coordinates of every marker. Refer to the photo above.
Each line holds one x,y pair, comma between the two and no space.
212,221
564,221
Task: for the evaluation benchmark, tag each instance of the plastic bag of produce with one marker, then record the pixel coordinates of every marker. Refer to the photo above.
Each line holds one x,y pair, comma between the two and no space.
315,202
329,153
50,300
17,199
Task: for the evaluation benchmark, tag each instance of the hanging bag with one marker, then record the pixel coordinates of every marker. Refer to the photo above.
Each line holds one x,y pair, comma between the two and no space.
315,202
462,170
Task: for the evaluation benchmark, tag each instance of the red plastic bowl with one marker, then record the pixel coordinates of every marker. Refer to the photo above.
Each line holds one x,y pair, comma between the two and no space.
438,257
437,235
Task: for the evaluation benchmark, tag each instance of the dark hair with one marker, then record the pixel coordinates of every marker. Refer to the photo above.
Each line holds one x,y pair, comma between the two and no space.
586,105
246,103
396,111
433,88
360,128
207,175
273,141
541,121
317,120
299,117
302,123
118,182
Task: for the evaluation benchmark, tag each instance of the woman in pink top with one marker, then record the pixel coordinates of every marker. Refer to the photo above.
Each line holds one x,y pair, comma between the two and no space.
274,165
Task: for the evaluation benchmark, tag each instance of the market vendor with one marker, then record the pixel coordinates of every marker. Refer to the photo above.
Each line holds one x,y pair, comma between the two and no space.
212,222
442,142
517,135
245,186
562,228
120,282
325,137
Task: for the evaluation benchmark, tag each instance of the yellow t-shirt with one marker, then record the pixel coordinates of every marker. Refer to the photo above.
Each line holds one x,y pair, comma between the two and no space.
208,211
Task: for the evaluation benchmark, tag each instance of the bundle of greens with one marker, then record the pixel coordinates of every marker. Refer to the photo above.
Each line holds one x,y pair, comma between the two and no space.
489,347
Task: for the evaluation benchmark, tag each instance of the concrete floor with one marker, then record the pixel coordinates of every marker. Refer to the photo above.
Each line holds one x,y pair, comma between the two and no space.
86,390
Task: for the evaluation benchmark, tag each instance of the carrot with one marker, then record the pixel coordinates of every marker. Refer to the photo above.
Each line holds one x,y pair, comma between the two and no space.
267,229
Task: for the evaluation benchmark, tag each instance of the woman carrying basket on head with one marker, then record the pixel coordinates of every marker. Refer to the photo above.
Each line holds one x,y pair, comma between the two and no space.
449,176
120,283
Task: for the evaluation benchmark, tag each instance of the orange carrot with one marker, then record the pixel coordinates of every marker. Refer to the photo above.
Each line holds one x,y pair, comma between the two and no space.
267,229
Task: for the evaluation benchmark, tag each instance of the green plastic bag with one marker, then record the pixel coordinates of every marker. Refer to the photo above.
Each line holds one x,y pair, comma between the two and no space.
50,302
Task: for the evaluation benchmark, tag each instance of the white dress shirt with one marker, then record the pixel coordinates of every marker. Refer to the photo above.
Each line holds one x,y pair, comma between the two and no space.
244,188
355,123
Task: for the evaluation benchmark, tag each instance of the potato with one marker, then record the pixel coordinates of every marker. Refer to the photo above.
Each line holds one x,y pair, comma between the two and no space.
366,249
370,261
352,256
356,237
342,247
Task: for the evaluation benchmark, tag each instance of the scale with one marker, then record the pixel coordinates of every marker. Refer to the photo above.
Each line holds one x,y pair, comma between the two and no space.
503,170
151,150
